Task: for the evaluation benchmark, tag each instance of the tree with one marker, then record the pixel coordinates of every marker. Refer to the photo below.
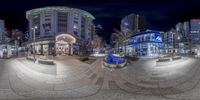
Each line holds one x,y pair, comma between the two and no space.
121,37
115,40
99,30
98,41
6,36
17,36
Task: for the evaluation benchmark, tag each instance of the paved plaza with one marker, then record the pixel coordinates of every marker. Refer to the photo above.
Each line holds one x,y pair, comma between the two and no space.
71,79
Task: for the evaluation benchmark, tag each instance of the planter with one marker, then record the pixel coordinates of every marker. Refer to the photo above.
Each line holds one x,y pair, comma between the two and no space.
46,62
164,59
176,58
168,60
113,65
41,61
84,58
30,58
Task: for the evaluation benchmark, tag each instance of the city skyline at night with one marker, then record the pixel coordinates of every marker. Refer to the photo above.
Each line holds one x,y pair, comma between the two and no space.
160,15
99,50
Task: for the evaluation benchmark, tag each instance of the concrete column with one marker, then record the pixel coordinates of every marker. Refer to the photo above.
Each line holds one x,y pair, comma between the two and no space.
71,49
148,49
42,50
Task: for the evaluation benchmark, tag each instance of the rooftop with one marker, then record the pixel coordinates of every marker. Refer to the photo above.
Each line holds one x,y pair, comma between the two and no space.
57,8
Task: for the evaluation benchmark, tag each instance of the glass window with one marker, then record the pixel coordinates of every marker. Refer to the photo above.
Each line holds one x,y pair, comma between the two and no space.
62,21
76,22
148,37
76,33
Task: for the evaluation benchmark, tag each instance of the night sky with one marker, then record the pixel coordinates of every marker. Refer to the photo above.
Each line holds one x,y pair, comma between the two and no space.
160,14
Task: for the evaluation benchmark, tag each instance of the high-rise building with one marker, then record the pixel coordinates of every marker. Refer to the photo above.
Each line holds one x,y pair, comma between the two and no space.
59,30
195,35
195,31
2,33
5,48
168,40
185,38
133,23
186,27
176,40
180,28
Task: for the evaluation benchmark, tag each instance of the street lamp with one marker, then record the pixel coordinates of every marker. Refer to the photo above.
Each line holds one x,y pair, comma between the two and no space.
17,43
34,29
173,39
178,38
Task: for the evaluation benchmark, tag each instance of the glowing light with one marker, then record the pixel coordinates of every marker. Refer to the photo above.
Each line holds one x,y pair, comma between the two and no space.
75,26
67,36
125,23
159,39
62,9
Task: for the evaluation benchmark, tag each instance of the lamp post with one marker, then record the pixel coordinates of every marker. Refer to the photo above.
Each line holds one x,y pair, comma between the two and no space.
34,29
178,38
17,45
173,41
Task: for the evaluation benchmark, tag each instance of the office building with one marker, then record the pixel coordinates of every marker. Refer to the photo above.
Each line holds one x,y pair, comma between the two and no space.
195,35
147,43
133,23
59,30
2,32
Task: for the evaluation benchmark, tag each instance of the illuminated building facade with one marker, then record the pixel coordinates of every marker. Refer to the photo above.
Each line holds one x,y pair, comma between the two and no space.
60,30
147,43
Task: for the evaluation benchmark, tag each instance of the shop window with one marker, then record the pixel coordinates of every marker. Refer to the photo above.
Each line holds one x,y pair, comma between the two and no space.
148,38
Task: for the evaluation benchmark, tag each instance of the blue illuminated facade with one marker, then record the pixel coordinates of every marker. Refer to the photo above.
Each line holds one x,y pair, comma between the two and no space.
146,43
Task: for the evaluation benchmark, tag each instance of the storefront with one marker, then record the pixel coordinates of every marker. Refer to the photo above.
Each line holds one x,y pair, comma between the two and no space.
146,43
64,44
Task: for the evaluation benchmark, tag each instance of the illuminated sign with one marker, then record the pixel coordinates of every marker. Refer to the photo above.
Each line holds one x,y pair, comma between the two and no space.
159,39
145,37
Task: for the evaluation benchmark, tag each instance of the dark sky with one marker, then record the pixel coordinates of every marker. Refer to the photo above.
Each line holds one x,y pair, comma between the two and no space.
160,14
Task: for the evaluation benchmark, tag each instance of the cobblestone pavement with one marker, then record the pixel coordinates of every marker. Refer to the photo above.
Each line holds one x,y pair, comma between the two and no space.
73,80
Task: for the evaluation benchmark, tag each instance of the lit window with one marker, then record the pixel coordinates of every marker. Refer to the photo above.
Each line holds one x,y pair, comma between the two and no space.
76,14
126,23
36,16
75,26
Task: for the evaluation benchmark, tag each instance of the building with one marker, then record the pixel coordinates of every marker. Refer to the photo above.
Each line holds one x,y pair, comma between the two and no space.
186,27
195,31
167,38
182,38
173,42
180,28
133,23
147,43
2,31
5,48
59,30
195,35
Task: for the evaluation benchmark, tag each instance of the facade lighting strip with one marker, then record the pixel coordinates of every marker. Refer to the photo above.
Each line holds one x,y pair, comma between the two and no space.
63,9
